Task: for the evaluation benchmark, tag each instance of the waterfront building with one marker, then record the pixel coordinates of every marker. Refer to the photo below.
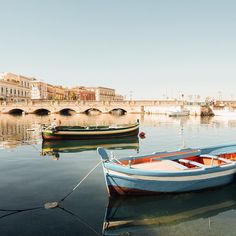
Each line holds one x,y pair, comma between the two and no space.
71,94
44,91
39,90
21,88
55,92
85,94
105,94
15,87
118,98
80,93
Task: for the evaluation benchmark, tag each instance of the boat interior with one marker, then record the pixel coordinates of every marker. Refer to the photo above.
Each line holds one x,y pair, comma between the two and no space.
95,127
185,163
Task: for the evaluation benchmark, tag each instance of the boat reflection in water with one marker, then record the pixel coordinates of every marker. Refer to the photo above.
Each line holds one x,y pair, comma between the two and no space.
54,148
134,214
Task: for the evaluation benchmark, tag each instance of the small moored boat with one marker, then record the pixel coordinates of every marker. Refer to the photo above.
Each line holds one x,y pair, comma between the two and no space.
179,112
90,132
169,172
226,112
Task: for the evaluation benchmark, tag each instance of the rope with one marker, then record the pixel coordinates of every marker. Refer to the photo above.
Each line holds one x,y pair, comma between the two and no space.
56,204
81,181
27,209
17,211
81,220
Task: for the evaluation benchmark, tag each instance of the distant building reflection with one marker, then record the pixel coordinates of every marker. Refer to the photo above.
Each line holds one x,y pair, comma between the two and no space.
16,130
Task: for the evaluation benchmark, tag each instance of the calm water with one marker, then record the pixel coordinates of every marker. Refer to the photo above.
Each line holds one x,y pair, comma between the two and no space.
32,174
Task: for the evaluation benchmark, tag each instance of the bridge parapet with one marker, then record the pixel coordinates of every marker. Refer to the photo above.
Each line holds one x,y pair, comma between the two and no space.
134,106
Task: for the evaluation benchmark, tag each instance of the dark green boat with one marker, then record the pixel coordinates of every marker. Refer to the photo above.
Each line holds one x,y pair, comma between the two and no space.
90,132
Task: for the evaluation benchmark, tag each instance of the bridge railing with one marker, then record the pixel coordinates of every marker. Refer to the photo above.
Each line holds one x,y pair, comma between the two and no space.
93,103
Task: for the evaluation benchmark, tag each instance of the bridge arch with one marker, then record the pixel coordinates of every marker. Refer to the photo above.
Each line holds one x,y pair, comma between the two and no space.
92,111
67,112
118,111
16,111
42,112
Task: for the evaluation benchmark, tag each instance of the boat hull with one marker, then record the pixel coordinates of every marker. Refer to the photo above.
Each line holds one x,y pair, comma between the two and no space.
125,184
184,170
225,113
90,134
181,113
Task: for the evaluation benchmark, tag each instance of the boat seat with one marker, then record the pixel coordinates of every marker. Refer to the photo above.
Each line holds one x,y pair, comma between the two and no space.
217,158
192,163
183,153
176,164
166,165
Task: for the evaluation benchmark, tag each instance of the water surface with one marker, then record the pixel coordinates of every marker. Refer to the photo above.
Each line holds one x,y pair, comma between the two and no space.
33,173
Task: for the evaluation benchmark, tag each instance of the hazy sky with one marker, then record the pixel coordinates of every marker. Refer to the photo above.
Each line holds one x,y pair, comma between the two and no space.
150,47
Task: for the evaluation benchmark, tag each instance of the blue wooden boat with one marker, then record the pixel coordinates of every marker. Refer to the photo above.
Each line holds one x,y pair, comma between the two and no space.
169,172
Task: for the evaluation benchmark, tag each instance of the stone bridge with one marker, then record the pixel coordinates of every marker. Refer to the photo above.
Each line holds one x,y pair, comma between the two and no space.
139,106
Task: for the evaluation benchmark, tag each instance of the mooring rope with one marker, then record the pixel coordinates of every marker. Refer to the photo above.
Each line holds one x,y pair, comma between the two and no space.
27,209
81,181
81,220
12,212
51,205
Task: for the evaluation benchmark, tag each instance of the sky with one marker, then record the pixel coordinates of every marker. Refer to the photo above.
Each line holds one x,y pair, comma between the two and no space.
147,49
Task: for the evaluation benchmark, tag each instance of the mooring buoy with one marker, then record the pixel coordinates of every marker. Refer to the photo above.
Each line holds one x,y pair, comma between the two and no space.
51,205
142,135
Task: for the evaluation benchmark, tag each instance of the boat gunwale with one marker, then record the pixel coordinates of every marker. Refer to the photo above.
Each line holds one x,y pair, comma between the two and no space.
125,169
189,152
57,129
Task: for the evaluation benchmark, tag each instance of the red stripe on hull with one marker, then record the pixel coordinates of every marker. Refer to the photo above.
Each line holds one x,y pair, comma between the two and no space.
116,190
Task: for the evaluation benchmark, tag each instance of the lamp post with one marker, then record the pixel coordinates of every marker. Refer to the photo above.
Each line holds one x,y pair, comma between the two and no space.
131,95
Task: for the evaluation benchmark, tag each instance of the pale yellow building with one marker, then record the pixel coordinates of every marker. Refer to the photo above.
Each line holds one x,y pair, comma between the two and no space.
105,94
59,92
80,93
21,88
39,90
15,87
118,97
44,91
55,92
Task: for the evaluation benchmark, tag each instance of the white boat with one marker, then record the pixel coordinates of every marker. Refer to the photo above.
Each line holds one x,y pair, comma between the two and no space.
225,112
179,112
